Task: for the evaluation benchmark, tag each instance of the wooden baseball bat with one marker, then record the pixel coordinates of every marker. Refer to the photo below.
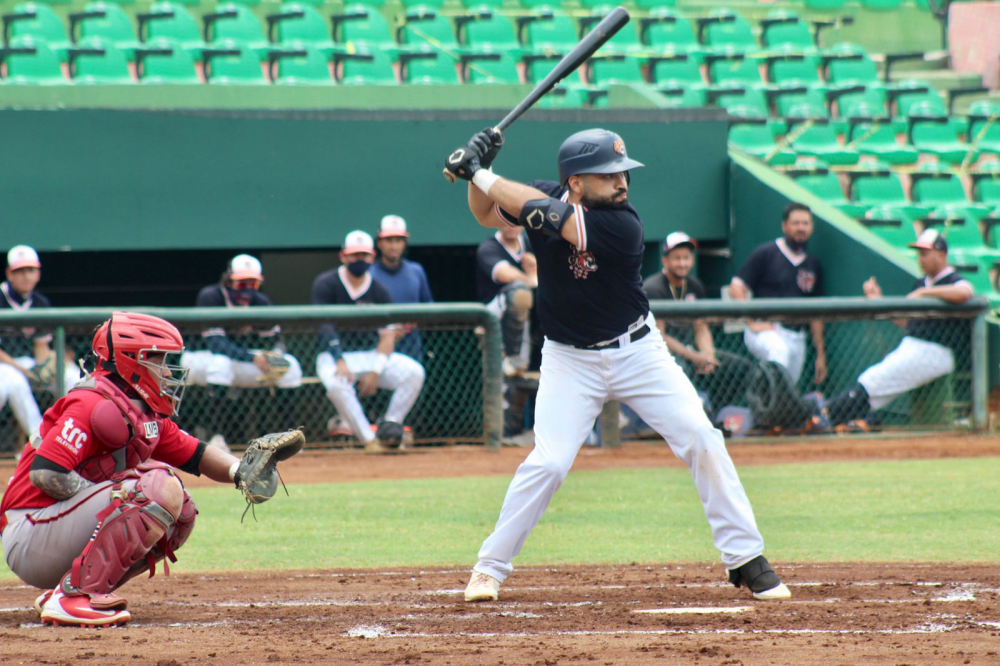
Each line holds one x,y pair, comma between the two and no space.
593,40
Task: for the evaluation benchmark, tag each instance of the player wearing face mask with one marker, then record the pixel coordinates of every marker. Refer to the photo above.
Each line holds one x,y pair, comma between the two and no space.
348,359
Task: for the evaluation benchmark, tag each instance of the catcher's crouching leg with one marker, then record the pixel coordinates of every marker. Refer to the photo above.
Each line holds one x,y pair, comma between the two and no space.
128,530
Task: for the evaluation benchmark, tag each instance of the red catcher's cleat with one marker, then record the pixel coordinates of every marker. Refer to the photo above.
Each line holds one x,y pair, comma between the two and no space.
60,610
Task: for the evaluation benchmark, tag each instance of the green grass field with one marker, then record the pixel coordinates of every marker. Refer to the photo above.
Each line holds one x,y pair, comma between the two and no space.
924,510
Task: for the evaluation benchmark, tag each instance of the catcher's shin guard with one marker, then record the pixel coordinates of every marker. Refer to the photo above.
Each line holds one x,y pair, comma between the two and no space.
127,531
168,545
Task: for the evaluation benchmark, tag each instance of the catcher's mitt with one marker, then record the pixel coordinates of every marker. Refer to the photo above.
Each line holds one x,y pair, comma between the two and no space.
278,366
257,476
43,374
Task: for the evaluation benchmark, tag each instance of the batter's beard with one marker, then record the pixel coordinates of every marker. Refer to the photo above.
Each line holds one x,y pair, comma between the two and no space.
604,203
796,246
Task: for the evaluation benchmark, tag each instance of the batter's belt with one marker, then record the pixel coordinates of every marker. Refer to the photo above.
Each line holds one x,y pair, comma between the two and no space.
637,334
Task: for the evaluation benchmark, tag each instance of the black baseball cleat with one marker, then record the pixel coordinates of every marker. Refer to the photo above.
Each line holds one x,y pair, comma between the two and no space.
760,579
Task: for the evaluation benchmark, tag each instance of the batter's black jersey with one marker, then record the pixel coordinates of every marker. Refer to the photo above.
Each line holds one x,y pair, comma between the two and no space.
19,342
235,344
331,288
591,293
948,332
489,255
658,287
771,271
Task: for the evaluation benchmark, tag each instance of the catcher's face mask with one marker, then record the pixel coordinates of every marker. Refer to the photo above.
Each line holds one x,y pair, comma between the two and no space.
165,370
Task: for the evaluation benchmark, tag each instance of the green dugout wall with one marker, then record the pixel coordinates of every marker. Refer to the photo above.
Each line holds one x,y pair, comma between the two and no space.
144,180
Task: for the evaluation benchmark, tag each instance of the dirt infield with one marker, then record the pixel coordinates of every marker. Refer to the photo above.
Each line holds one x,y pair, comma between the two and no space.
840,613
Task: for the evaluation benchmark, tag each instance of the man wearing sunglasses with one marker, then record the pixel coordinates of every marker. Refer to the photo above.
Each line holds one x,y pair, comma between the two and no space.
245,357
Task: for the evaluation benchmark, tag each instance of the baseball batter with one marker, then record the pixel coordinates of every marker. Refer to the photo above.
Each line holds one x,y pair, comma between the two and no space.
783,269
370,369
26,359
251,358
95,499
924,354
598,347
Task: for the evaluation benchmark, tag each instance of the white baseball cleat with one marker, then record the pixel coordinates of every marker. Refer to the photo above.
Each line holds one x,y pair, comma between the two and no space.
60,610
758,576
42,598
781,591
482,587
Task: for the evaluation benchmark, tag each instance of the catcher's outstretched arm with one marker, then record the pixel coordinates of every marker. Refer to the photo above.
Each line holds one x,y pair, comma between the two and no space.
216,464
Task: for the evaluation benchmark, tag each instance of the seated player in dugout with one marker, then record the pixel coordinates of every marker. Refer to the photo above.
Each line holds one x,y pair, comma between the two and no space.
26,359
95,499
246,357
363,358
405,280
506,274
783,268
690,342
926,352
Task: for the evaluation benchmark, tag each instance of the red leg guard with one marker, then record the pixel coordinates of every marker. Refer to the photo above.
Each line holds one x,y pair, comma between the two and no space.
165,547
126,531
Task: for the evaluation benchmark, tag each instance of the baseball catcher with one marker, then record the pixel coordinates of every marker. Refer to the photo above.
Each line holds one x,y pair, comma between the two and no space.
96,498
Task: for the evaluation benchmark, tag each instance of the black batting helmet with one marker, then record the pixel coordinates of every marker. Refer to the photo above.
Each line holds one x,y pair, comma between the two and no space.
593,151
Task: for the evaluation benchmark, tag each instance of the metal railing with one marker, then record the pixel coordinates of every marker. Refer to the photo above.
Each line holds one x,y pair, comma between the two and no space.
459,347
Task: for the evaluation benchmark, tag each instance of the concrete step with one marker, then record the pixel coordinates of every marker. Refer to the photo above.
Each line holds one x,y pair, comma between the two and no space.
963,103
944,79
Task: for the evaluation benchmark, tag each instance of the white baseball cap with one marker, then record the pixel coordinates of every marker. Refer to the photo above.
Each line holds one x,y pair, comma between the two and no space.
931,239
677,239
245,267
392,225
358,241
22,256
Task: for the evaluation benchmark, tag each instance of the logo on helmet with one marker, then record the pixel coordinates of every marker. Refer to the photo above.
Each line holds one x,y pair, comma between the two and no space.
619,147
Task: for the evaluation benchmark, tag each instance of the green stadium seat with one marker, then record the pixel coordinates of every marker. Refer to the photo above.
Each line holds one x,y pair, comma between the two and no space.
654,5
300,64
872,134
425,66
607,69
752,135
975,268
825,5
361,24
891,224
624,41
488,28
676,70
959,224
539,5
727,29
564,97
935,185
426,25
682,96
38,21
476,4
984,126
234,23
732,96
869,101
986,184
169,20
665,29
230,62
931,132
366,67
491,68
819,139
733,68
784,28
433,4
794,69
98,61
848,63
551,31
824,184
881,5
798,100
913,93
163,61
300,23
107,21
32,62
876,185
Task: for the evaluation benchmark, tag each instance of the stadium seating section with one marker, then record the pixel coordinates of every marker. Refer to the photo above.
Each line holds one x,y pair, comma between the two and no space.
885,151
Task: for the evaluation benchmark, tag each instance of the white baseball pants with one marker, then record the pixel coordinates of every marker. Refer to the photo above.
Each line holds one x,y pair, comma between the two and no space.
15,390
402,375
206,368
782,345
914,362
574,386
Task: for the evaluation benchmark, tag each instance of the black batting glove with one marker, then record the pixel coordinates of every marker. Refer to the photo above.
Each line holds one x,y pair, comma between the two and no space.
464,162
488,143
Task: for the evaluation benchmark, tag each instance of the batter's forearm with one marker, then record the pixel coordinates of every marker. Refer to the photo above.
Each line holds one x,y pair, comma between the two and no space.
58,485
481,207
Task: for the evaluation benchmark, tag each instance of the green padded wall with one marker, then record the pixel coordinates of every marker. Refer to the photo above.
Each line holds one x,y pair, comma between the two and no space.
143,180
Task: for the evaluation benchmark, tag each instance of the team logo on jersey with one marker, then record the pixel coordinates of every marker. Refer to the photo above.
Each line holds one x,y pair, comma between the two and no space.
806,280
582,264
619,147
152,429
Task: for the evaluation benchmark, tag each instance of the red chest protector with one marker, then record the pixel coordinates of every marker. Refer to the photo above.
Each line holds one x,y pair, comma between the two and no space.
135,447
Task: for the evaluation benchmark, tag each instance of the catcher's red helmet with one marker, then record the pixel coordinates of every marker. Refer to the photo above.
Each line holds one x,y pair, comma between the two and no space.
123,345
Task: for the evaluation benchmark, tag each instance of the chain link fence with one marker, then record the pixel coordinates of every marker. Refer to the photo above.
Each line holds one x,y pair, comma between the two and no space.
456,345
747,395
